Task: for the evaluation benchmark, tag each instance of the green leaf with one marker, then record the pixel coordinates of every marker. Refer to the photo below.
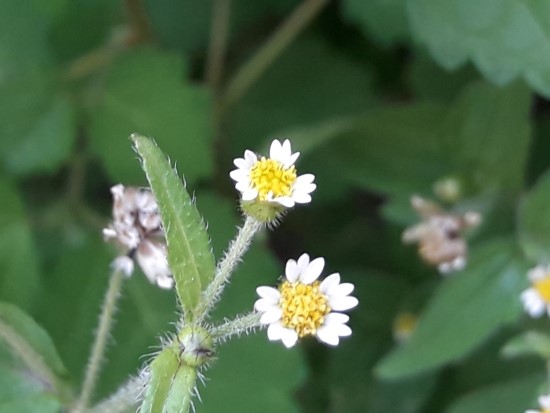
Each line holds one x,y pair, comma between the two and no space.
464,312
505,39
507,397
179,397
534,221
189,252
163,370
146,93
19,278
37,357
385,20
529,343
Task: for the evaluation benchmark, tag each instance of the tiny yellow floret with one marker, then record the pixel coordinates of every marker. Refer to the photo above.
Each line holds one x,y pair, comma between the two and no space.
304,307
543,288
269,176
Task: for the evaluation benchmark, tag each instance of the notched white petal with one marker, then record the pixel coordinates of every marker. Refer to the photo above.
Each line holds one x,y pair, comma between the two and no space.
343,303
313,270
269,292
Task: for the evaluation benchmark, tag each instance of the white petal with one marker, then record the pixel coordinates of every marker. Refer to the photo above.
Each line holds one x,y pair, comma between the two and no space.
289,337
336,318
165,282
123,264
342,303
312,271
305,188
151,257
328,335
249,194
285,201
276,150
239,175
292,271
341,330
272,315
544,401
250,157
532,411
342,289
305,179
290,159
330,283
243,186
275,331
286,148
269,292
264,305
301,198
303,262
532,302
109,233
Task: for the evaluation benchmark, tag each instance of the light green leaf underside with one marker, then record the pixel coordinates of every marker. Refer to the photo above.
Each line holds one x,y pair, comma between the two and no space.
162,372
505,39
189,253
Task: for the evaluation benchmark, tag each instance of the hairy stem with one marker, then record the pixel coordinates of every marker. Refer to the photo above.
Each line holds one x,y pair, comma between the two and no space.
285,34
218,43
240,325
125,397
227,265
98,349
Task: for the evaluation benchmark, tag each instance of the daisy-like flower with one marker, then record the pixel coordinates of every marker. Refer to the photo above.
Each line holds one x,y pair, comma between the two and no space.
304,306
273,179
544,403
536,299
137,229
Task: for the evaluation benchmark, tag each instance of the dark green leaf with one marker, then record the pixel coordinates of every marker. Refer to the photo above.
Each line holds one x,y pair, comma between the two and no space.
189,252
464,312
146,93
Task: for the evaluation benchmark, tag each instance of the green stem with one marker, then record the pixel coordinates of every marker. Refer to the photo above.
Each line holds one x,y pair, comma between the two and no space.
100,343
34,362
125,397
285,34
239,325
218,43
227,265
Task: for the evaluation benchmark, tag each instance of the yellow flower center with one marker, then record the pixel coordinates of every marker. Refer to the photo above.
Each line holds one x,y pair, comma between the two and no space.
304,307
543,288
268,175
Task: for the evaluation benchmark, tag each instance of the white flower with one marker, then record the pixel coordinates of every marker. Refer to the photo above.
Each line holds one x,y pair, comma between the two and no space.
303,306
272,179
137,228
544,403
536,299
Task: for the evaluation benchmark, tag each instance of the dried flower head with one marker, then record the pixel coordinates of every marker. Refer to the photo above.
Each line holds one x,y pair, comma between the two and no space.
536,299
544,403
271,183
439,235
303,306
137,229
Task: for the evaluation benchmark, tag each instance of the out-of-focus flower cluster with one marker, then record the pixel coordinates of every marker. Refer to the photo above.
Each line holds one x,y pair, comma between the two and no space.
137,230
440,235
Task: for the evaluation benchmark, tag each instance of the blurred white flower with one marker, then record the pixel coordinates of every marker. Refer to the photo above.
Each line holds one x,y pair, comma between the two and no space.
303,306
273,179
544,403
137,229
536,299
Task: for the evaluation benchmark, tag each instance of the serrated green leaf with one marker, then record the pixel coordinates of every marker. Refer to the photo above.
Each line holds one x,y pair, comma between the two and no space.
529,343
162,369
507,397
505,39
19,276
146,93
385,20
33,347
189,252
463,313
534,221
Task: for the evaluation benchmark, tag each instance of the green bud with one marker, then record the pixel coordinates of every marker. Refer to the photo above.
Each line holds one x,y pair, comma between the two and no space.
266,212
448,189
195,346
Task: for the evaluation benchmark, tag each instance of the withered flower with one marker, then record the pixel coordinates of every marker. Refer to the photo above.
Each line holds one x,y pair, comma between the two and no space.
137,229
440,235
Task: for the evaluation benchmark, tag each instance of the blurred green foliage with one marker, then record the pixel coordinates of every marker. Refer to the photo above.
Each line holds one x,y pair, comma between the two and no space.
383,99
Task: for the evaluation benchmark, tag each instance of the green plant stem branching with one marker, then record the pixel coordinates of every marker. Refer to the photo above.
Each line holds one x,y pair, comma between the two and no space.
100,343
125,397
240,325
275,45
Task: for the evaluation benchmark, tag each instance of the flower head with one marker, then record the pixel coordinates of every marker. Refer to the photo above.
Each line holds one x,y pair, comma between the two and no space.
137,229
404,325
544,403
439,235
274,179
536,299
304,306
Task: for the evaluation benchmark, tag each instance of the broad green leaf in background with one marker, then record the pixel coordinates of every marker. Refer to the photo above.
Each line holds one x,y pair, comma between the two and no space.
511,396
19,275
189,252
146,92
268,374
386,21
534,221
463,313
528,343
505,39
